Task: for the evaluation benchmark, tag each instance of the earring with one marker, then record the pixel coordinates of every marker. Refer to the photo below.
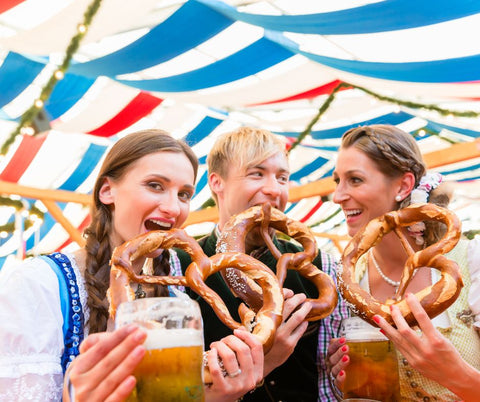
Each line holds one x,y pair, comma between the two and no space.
398,198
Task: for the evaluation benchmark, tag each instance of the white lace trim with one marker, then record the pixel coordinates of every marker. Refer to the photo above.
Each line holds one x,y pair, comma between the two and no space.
18,365
32,387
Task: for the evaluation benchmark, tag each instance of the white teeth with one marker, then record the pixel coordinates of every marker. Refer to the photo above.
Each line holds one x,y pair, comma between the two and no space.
163,225
351,212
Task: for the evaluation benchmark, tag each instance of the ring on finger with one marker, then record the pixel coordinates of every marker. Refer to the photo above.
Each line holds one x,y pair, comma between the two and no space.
237,373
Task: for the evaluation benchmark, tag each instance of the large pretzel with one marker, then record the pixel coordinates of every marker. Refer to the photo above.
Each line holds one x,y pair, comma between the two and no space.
435,298
232,239
262,324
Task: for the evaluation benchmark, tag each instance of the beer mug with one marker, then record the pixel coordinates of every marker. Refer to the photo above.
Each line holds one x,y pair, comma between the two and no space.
172,368
373,369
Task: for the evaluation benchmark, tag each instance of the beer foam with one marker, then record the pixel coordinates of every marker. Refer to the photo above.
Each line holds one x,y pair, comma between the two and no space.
366,335
173,338
354,328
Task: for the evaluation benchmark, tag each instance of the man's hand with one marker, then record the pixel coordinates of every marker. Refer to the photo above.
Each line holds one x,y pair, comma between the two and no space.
290,330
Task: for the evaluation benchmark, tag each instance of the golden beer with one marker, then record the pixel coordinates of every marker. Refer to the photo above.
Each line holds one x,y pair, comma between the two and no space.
373,368
172,368
372,371
170,374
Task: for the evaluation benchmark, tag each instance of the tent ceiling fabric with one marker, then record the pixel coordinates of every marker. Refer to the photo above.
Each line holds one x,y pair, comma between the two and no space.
199,68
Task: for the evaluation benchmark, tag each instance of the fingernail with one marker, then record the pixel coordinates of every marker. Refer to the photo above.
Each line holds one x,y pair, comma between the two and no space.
138,351
344,349
341,341
341,373
131,328
376,318
345,359
139,335
383,332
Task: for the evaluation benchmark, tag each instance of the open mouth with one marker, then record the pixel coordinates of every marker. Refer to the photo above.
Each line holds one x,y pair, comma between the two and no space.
265,203
153,224
352,213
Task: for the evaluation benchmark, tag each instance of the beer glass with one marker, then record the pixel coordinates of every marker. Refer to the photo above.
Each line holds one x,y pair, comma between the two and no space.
172,368
373,369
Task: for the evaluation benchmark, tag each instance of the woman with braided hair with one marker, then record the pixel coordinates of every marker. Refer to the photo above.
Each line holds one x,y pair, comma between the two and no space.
48,304
380,169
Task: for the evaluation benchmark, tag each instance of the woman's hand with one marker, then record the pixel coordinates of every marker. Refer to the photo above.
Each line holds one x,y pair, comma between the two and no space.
290,330
242,357
430,352
103,370
337,361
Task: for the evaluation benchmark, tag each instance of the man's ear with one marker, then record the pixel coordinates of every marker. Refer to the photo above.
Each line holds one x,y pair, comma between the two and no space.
107,192
215,183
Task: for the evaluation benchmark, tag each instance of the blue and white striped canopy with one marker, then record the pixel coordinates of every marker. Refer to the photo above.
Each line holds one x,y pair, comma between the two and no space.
199,68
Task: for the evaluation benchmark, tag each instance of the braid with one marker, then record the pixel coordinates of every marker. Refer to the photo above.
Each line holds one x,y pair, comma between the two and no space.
161,267
402,162
97,274
394,151
119,160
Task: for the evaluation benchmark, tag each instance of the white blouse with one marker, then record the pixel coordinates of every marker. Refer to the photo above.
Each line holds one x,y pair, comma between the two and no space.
31,334
31,329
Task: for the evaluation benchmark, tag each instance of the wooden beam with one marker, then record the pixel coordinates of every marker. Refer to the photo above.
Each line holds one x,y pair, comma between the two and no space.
42,194
320,187
336,239
48,198
204,215
57,213
453,154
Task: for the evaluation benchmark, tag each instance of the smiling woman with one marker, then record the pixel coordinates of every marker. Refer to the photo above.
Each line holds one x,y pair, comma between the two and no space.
146,182
380,169
368,183
160,191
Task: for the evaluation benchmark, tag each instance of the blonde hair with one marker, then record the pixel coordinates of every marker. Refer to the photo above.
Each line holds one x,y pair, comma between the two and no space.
243,147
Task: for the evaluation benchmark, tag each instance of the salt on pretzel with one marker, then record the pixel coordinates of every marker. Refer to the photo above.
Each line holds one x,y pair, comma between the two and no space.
232,239
435,298
262,324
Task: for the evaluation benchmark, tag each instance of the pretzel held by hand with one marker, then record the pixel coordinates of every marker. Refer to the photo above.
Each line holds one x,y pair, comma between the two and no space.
266,320
232,239
435,298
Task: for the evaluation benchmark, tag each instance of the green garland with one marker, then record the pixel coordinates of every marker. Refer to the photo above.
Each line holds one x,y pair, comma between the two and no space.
417,133
416,105
209,203
412,105
19,206
29,115
470,234
321,111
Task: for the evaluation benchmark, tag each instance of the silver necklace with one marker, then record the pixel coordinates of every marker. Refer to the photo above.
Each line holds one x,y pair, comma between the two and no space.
380,272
